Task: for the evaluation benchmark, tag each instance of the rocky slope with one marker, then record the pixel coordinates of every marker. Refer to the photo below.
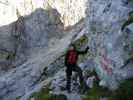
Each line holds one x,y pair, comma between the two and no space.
33,44
27,42
42,24
29,45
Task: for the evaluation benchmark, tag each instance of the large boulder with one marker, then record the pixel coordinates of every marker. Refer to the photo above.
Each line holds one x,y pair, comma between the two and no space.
104,23
21,38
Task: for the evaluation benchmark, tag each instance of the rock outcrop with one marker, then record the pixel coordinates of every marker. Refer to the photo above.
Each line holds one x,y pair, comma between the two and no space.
32,25
108,41
38,33
39,39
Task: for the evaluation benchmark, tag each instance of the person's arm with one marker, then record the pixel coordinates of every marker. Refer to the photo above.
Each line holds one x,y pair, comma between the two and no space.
127,61
83,52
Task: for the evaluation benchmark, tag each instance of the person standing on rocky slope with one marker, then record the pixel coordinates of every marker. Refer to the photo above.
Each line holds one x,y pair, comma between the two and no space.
71,59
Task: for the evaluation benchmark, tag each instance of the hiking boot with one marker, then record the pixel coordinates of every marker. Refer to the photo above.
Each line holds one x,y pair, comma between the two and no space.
63,88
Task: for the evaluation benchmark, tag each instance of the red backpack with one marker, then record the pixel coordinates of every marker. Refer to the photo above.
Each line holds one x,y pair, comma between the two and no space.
72,57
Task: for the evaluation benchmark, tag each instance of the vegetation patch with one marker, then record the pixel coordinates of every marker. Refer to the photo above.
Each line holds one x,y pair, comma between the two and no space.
130,0
81,42
124,92
44,94
128,22
96,93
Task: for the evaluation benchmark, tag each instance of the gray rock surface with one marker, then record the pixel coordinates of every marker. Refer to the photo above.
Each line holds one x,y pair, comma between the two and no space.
24,78
107,41
28,34
35,42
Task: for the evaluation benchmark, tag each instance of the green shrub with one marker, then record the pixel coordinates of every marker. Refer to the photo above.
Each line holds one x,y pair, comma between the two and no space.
124,92
130,0
96,93
128,22
44,94
80,42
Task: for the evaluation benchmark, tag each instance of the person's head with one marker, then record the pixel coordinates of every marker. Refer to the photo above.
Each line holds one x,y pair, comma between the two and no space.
71,47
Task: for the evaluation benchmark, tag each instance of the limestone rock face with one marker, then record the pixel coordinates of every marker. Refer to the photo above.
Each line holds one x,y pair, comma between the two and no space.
32,36
35,33
21,38
104,23
37,41
33,24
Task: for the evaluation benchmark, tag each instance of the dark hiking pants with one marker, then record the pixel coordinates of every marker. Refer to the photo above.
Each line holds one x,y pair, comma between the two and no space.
69,70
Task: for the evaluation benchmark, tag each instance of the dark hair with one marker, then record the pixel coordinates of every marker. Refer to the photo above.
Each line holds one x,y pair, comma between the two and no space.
72,45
